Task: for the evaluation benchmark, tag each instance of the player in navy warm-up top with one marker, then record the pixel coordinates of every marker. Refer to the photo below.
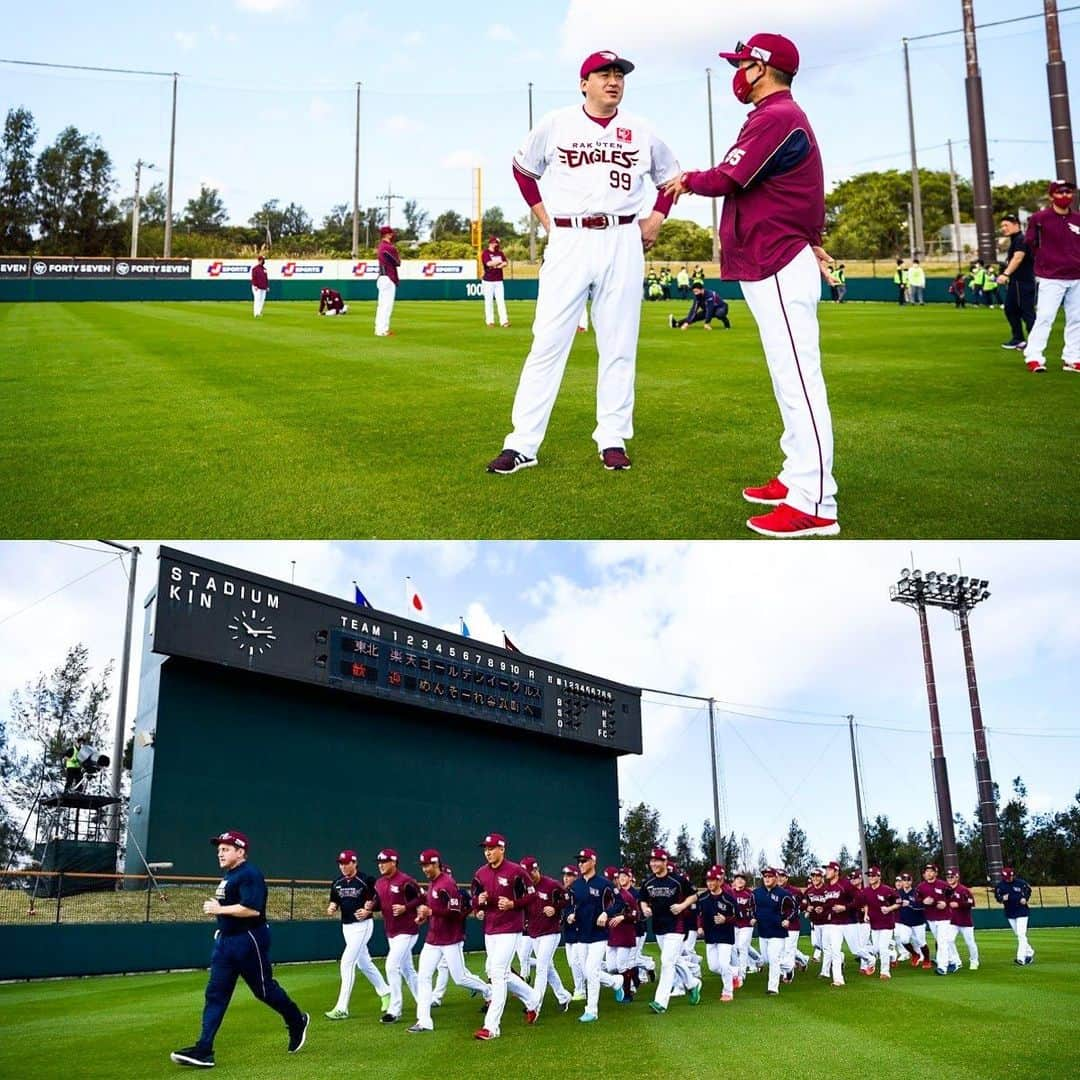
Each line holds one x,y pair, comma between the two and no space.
1014,893
771,931
591,896
241,950
706,306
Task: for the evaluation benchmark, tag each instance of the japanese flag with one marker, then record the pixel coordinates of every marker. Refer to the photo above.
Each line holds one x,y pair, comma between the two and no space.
414,602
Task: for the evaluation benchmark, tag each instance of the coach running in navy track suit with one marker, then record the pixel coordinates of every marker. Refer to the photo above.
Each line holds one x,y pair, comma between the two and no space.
706,306
664,898
1014,893
591,896
771,932
911,916
241,950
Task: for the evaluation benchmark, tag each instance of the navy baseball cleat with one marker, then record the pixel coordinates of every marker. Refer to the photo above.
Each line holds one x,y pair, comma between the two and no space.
298,1034
192,1055
509,461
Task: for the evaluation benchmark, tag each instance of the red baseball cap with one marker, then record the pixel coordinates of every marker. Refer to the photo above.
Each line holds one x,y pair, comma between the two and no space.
781,872
931,866
1007,871
1060,185
493,839
430,855
658,853
231,836
773,49
346,856
586,853
569,870
386,230
387,854
493,239
598,61
627,871
770,870
530,862
874,871
832,866
714,873
610,872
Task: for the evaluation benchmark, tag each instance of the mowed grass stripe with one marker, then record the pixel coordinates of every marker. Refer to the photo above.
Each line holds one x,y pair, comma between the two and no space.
1000,1021
188,420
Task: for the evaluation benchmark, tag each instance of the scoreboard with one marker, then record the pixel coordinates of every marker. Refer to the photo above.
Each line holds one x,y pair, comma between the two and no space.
223,615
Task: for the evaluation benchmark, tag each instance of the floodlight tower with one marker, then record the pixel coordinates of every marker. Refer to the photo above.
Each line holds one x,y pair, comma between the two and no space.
960,594
912,591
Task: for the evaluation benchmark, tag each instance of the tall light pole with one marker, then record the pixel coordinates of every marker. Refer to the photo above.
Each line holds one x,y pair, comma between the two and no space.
1060,121
954,199
172,163
712,164
139,166
863,856
980,158
911,591
356,183
916,191
960,594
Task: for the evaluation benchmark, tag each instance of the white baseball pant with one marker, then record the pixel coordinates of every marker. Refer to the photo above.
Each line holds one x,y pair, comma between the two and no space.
384,308
907,939
943,932
356,955
671,960
832,960
690,941
524,953
595,975
719,959
879,942
575,957
333,311
784,307
609,959
431,958
500,951
968,934
1023,947
494,294
1053,293
853,938
772,949
641,960
743,934
399,967
442,980
546,973
792,952
864,937
611,261
258,297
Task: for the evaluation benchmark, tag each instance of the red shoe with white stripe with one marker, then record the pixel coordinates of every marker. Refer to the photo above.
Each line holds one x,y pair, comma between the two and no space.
771,494
787,523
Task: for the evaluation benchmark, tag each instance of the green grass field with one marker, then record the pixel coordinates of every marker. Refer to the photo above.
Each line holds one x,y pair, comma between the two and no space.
194,420
1000,1021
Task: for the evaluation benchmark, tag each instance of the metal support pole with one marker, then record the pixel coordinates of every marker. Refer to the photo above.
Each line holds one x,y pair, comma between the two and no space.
954,198
356,183
715,781
1058,84
980,158
991,834
916,191
172,163
712,164
135,211
864,858
940,769
532,216
912,246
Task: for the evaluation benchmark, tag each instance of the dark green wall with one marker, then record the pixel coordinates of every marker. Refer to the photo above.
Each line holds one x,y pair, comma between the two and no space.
306,772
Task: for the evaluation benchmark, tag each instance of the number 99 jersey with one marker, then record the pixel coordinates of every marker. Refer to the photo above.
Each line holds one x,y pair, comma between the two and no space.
594,168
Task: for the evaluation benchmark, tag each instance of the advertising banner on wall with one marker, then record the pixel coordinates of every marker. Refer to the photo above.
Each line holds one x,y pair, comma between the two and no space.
140,269
14,266
60,267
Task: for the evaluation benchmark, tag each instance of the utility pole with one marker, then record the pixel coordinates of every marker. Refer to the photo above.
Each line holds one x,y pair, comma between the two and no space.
916,191
912,247
172,163
356,183
980,159
712,164
858,796
954,198
715,782
121,705
1060,121
139,165
389,197
532,216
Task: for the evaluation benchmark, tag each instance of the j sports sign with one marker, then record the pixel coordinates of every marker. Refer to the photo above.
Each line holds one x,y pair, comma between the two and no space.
302,269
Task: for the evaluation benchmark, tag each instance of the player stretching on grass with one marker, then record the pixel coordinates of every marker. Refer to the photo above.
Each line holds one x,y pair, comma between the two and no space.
241,950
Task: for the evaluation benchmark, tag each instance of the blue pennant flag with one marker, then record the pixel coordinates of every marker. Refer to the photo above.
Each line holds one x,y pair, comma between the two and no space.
464,628
361,599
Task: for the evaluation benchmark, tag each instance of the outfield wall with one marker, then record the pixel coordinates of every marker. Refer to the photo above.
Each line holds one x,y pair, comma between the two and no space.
53,951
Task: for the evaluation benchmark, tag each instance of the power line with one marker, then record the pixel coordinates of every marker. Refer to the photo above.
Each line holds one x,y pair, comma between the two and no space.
88,67
987,26
74,581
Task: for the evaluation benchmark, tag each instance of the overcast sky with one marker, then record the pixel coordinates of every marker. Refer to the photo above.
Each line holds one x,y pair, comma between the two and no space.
267,99
788,638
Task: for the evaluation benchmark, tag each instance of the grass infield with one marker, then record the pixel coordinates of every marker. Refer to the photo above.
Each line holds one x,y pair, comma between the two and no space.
999,1021
195,420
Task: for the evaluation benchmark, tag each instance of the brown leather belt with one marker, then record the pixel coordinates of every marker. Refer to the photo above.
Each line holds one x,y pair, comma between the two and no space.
594,221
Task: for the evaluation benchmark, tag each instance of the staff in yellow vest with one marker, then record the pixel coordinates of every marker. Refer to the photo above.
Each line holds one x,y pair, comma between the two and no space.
917,281
900,280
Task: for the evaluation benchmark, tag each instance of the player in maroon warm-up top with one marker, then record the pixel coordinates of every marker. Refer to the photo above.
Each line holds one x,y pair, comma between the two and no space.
502,891
961,905
444,912
623,916
260,285
934,895
862,926
881,903
387,281
331,303
816,906
543,920
491,286
744,925
843,907
397,896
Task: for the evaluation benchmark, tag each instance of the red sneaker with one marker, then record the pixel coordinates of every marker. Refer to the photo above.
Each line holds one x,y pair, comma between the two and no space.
926,965
1070,367
615,459
915,961
787,523
771,494
483,1035
1036,367
530,1016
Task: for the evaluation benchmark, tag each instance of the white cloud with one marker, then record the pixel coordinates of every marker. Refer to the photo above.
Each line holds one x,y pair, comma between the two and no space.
500,32
186,39
400,124
319,110
461,159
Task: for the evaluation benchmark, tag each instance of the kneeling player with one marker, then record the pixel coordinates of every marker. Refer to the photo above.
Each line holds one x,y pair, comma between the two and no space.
330,303
706,306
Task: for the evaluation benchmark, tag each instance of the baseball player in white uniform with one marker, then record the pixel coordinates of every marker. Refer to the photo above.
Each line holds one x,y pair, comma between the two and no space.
596,162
